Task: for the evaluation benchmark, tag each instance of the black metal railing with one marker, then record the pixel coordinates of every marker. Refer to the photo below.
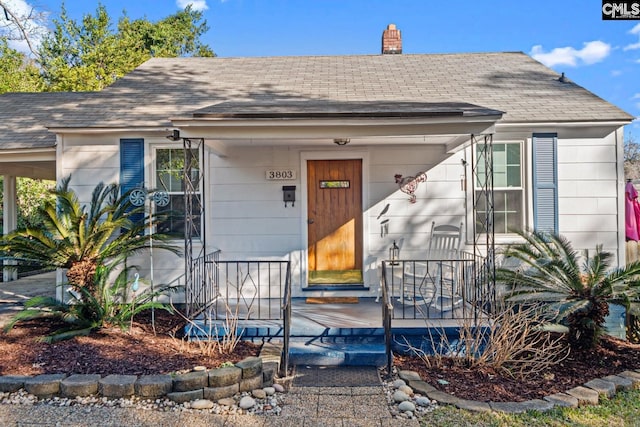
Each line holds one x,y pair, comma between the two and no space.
286,323
439,288
202,289
387,314
252,290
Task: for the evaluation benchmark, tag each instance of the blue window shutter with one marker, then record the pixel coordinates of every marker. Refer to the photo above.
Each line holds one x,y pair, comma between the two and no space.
545,182
132,167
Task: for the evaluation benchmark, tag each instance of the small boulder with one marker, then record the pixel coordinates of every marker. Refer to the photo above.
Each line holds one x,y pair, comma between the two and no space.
247,402
202,404
406,406
259,393
400,396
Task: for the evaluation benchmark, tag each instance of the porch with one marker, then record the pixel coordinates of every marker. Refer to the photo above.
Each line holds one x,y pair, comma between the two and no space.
253,299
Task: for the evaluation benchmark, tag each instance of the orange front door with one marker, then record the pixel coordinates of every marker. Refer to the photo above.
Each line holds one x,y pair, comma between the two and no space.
334,215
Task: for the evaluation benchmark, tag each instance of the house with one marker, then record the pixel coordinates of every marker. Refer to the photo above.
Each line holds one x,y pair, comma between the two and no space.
306,159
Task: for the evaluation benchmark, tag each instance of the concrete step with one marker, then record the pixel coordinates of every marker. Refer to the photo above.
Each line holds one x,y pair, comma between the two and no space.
333,354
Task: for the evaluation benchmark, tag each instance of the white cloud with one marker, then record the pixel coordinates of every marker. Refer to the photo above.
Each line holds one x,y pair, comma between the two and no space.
616,73
633,46
591,52
199,5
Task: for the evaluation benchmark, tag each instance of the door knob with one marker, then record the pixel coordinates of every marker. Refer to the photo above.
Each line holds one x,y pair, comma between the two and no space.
310,221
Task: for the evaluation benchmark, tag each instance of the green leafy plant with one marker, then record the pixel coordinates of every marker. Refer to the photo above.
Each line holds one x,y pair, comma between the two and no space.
575,289
93,245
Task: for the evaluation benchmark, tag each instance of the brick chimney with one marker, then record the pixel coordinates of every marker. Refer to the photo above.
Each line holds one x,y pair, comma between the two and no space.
391,40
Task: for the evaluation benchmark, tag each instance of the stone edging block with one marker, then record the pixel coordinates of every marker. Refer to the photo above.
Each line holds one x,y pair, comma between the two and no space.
79,385
589,394
248,375
118,385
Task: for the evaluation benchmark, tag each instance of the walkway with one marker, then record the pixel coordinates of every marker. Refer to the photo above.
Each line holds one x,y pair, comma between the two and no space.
331,396
14,294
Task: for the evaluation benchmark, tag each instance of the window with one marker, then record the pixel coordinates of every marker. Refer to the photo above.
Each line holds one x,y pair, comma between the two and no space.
508,194
169,177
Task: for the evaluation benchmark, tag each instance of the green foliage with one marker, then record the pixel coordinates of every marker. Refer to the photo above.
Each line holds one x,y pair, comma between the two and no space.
621,410
17,72
80,239
94,244
90,55
576,290
111,305
32,195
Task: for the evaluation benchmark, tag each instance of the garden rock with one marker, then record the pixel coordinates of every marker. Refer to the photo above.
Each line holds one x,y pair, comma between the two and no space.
227,401
259,394
406,406
406,389
202,404
278,388
423,401
270,391
247,402
400,396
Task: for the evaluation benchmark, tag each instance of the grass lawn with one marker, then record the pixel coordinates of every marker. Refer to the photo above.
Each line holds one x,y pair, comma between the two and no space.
622,410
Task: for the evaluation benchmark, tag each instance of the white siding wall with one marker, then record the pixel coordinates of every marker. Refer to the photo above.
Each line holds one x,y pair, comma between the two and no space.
247,219
587,192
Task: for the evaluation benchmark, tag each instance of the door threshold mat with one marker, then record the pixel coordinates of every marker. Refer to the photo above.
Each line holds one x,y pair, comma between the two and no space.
336,376
332,300
323,277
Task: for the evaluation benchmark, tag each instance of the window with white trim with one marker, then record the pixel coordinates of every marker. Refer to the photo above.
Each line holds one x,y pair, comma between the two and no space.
169,168
508,190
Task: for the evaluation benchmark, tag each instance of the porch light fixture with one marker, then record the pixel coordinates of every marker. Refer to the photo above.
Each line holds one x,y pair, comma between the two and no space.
174,135
341,141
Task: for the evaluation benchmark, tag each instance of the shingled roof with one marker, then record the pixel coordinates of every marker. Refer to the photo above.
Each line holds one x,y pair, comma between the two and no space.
164,88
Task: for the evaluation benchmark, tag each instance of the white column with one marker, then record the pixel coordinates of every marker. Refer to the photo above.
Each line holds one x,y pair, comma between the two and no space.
9,219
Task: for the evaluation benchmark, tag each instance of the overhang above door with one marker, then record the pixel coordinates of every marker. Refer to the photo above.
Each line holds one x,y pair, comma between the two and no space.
318,122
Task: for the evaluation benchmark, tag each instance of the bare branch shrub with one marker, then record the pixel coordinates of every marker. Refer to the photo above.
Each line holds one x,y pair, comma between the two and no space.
219,337
514,341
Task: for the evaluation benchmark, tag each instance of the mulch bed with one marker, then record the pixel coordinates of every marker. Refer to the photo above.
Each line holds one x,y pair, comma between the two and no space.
484,384
111,350
141,352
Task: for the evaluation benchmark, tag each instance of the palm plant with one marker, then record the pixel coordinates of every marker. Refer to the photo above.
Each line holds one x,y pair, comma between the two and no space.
92,244
576,289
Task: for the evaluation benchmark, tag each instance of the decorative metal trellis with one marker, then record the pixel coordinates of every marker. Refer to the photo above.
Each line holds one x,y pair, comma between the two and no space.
483,205
193,197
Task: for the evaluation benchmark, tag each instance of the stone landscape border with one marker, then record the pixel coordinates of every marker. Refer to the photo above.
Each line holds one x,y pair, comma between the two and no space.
247,375
587,394
254,373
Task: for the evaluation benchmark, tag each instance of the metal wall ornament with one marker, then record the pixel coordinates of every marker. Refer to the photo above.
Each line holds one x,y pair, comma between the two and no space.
409,184
138,196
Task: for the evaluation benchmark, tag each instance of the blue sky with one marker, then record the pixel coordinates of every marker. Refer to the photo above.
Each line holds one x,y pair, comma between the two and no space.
569,36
